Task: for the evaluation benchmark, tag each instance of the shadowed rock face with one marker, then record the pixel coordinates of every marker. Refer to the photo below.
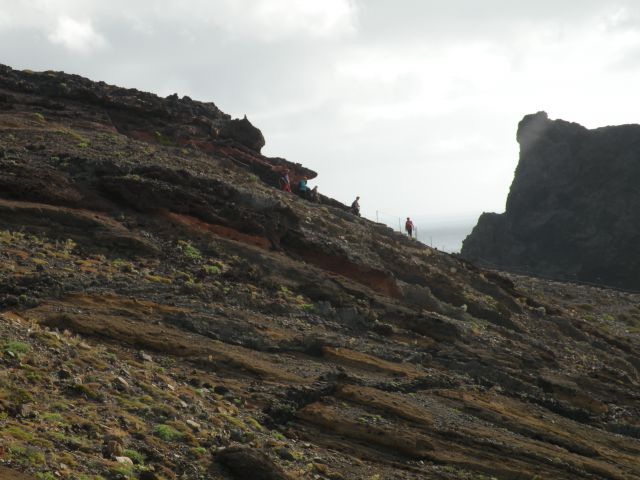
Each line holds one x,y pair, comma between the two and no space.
167,313
573,208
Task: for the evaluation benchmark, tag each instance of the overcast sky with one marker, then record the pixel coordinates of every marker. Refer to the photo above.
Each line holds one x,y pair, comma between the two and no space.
411,104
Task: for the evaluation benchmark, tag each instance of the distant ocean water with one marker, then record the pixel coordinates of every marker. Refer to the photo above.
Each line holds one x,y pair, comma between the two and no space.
445,234
447,238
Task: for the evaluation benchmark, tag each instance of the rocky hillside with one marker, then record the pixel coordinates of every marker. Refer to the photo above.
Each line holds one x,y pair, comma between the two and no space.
166,313
573,209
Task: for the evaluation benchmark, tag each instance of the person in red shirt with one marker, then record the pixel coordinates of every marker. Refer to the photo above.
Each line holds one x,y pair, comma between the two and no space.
408,226
285,183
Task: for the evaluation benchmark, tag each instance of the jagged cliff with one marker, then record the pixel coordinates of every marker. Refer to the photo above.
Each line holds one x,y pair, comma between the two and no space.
572,212
167,313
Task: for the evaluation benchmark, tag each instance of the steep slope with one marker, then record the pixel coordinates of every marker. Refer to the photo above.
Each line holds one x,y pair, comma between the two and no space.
573,206
167,313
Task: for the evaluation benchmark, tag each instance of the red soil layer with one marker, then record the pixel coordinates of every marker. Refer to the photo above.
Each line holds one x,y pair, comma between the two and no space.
194,224
377,280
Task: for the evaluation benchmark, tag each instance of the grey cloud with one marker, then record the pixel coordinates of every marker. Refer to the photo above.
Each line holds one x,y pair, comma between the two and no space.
456,19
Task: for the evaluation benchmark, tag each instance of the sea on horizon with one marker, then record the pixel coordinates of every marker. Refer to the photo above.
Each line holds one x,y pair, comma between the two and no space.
447,238
446,235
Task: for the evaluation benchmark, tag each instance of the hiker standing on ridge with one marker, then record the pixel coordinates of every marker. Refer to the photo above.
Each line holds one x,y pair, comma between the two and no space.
408,226
284,182
355,207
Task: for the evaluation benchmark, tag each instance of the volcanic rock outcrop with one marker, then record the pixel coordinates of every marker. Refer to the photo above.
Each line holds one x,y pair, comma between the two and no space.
573,209
167,313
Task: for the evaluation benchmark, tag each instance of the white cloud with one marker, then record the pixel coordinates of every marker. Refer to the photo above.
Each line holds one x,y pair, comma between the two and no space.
264,20
76,35
328,17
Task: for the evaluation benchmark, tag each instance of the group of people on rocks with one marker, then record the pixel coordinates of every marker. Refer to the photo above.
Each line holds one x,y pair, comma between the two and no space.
312,194
302,188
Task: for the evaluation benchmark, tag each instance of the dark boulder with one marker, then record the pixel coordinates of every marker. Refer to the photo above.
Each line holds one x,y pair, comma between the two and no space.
245,133
250,464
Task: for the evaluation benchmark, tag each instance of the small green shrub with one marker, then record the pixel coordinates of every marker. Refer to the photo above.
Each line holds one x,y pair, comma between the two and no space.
60,406
17,433
16,347
199,452
255,424
212,269
136,457
167,433
122,471
159,279
45,476
35,457
20,395
16,450
33,377
88,391
53,417
123,266
189,250
68,246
